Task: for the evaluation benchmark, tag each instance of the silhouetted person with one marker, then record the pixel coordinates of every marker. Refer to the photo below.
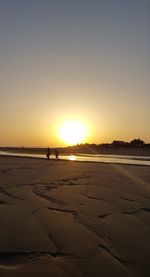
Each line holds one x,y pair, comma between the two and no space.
56,154
48,153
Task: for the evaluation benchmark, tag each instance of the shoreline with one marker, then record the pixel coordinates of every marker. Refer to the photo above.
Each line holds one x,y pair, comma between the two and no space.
129,151
14,155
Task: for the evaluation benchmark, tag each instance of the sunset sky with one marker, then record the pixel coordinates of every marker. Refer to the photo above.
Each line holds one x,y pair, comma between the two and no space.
77,60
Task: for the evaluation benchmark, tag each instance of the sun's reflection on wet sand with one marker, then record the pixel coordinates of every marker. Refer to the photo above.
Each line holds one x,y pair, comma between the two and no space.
72,158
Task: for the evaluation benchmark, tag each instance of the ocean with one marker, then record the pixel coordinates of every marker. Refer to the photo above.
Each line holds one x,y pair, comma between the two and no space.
98,158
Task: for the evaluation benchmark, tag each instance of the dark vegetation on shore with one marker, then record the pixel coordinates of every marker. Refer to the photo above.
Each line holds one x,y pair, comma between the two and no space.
134,147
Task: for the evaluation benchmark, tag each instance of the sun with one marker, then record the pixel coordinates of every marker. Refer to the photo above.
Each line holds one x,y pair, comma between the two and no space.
72,132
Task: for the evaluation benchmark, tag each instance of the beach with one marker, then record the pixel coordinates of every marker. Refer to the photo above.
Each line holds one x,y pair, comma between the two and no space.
68,219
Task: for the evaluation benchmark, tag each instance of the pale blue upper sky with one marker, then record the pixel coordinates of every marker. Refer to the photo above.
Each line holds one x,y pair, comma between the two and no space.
65,58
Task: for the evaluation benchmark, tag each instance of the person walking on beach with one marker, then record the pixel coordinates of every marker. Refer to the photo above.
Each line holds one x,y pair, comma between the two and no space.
48,153
56,154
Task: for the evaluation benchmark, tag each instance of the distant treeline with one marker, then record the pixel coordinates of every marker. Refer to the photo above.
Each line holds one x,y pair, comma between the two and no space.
84,148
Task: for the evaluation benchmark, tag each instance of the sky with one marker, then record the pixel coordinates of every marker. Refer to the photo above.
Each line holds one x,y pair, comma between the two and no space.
85,60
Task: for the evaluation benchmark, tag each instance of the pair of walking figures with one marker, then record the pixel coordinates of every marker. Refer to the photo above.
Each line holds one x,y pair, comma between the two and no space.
48,153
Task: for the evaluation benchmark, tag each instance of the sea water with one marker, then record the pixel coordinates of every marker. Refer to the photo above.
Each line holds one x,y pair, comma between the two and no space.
121,159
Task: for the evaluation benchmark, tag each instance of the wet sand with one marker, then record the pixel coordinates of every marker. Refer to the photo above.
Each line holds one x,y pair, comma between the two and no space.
73,219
